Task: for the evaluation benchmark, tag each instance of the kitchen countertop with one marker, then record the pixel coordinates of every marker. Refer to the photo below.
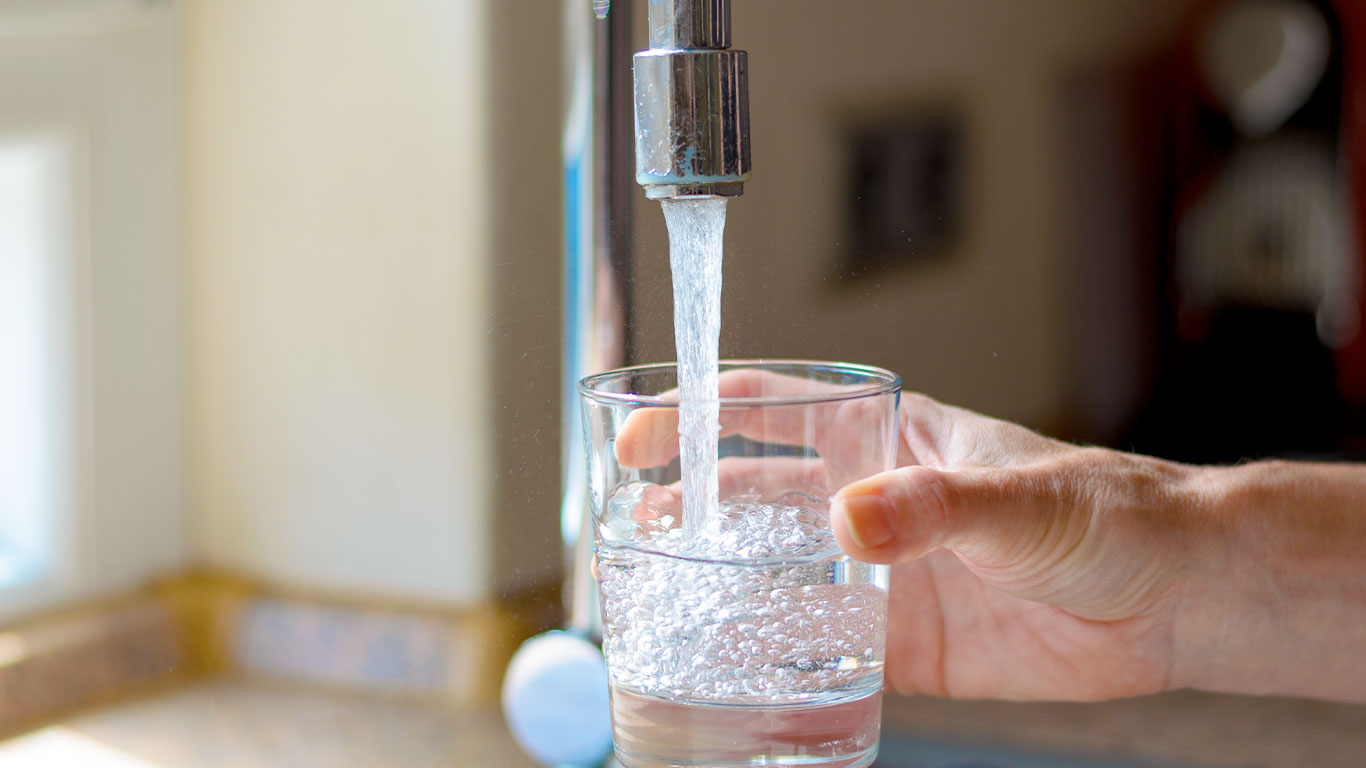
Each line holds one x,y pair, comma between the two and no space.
233,724
1183,728
241,724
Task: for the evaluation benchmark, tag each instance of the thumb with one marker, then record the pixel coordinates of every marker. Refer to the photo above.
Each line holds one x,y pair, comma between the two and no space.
983,513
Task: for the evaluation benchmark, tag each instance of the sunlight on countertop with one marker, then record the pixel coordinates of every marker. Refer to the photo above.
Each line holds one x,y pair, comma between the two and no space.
58,747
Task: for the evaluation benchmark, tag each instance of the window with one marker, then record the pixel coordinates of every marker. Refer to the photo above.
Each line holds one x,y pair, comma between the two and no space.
37,457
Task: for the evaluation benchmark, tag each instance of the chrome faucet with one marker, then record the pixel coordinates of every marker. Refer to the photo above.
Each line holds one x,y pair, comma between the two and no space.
692,103
691,139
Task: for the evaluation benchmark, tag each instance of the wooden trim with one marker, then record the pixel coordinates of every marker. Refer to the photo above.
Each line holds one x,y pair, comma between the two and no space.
207,624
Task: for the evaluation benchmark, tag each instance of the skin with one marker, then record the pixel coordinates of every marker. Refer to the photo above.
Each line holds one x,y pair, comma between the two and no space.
1027,568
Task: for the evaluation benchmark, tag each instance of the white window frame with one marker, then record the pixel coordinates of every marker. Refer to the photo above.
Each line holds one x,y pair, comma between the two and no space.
50,535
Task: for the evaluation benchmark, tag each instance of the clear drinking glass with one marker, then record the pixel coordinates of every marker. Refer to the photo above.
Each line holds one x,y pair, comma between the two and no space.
746,637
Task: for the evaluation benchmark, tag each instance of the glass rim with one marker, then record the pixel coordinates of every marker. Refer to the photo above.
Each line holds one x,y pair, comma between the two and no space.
881,382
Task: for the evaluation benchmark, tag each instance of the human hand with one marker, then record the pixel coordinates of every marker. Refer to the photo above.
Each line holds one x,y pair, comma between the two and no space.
1024,567
1028,568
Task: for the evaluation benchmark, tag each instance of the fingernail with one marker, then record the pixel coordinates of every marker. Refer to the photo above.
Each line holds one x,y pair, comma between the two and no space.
871,519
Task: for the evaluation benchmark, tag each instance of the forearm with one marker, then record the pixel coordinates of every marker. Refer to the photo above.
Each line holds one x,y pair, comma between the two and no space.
1275,602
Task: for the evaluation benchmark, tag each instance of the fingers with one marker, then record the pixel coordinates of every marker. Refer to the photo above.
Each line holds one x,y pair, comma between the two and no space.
649,436
771,477
766,478
656,501
984,512
756,383
932,433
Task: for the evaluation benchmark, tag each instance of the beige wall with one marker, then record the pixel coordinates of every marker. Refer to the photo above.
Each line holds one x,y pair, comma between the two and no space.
339,260
984,327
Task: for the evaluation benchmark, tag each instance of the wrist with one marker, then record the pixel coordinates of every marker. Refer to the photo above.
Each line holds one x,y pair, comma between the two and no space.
1275,600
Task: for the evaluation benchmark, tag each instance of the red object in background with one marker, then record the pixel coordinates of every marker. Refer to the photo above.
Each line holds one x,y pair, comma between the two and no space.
1351,359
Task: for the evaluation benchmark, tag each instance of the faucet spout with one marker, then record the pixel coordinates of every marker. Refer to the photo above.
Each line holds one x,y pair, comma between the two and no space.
692,103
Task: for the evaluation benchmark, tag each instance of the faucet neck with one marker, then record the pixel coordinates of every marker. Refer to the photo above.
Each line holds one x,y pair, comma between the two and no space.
682,25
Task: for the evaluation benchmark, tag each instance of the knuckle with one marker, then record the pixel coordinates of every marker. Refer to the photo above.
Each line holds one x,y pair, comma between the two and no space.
931,497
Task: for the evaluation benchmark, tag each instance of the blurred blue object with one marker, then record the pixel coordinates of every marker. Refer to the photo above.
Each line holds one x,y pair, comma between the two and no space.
555,701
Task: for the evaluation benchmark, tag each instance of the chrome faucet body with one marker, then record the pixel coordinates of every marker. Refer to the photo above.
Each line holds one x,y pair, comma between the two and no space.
691,103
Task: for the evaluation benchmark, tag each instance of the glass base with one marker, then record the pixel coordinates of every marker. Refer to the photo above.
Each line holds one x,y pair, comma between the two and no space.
862,759
658,733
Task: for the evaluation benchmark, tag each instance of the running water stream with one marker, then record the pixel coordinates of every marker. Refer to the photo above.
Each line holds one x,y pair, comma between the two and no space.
695,230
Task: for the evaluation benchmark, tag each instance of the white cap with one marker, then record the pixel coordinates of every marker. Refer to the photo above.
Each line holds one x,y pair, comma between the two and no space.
555,700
